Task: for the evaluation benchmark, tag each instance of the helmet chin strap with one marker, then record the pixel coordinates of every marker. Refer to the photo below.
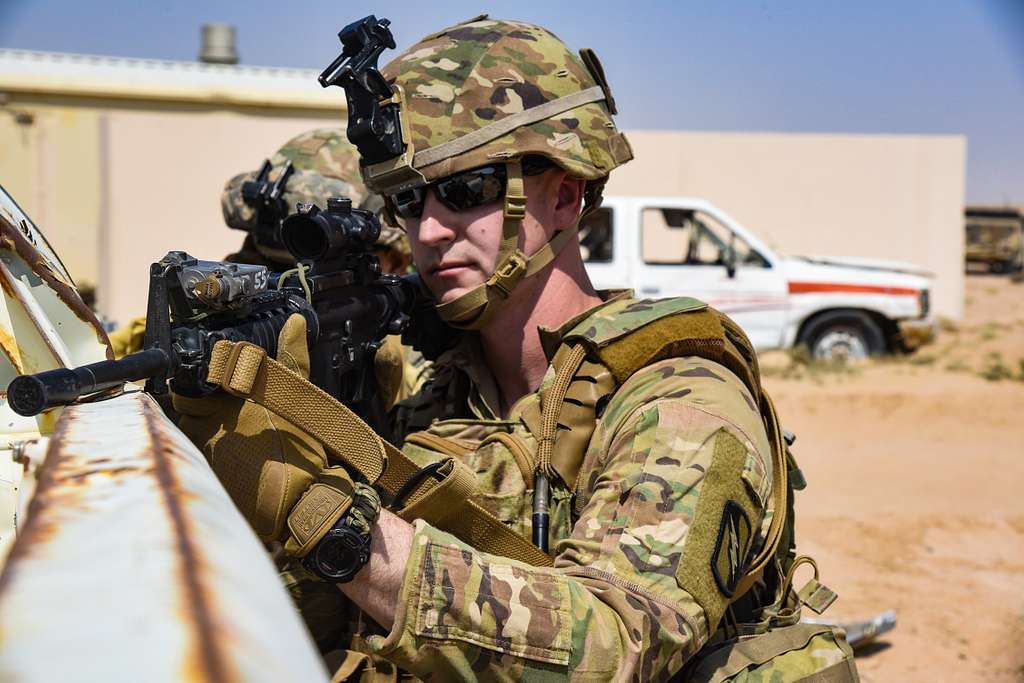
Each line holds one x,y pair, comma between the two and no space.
474,309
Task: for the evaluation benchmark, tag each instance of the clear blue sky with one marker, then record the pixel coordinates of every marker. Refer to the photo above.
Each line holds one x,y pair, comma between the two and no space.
864,66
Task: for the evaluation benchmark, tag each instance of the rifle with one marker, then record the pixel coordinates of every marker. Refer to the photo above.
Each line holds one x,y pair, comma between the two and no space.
337,287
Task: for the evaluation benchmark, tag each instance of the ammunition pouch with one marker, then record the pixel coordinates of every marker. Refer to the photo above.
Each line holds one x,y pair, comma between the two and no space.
813,653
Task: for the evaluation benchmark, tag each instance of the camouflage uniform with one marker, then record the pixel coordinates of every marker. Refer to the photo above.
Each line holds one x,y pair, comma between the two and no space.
614,605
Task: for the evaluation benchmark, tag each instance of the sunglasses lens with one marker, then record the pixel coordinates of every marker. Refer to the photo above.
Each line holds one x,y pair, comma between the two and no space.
472,188
459,192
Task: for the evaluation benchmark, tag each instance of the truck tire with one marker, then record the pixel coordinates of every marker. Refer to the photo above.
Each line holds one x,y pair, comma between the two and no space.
851,335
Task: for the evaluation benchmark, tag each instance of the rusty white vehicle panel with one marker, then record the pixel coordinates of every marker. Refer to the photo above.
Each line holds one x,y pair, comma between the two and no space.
133,564
44,324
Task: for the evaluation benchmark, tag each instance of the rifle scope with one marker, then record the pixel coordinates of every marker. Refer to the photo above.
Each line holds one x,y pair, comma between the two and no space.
315,235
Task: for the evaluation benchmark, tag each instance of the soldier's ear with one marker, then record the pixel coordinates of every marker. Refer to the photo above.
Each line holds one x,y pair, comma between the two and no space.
568,199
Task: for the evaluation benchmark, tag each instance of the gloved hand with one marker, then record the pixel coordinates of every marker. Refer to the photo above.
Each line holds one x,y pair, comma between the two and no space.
129,338
388,367
277,475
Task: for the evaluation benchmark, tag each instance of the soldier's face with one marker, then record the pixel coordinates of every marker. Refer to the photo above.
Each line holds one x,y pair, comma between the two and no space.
455,251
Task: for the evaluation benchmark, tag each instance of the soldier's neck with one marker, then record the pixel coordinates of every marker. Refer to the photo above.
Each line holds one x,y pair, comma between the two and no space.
511,344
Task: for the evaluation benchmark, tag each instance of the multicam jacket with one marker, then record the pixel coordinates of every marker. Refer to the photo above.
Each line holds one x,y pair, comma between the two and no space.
639,546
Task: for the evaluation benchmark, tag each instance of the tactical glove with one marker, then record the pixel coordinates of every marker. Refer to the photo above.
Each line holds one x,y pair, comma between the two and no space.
277,475
388,368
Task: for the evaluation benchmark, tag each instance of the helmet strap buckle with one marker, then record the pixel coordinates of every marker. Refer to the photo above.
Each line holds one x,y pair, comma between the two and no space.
508,274
515,206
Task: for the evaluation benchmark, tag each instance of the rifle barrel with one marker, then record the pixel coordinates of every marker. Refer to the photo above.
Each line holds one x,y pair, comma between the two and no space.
30,395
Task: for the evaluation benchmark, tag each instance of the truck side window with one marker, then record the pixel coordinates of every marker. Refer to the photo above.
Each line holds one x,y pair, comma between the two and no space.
596,236
692,238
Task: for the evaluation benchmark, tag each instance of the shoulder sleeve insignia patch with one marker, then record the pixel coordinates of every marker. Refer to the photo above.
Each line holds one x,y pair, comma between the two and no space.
729,558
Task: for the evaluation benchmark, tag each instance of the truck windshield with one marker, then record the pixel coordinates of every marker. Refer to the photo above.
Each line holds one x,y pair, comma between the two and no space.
693,238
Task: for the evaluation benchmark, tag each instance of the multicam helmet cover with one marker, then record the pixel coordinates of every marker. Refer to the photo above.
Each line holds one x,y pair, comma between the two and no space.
474,75
488,91
326,165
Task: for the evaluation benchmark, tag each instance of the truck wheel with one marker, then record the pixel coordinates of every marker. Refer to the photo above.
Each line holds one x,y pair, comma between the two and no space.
849,335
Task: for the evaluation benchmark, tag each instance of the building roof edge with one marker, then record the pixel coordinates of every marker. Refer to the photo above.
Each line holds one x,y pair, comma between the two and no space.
57,73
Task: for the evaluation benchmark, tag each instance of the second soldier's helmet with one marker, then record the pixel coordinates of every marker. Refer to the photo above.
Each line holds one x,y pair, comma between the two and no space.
325,164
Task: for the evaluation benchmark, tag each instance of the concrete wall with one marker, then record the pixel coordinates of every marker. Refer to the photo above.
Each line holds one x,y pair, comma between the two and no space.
166,172
50,166
896,197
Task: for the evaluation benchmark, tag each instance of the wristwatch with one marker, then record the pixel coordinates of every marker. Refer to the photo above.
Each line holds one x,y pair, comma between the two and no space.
343,550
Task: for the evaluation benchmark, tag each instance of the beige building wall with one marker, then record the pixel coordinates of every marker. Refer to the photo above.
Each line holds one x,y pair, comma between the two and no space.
115,185
894,197
166,171
50,166
121,160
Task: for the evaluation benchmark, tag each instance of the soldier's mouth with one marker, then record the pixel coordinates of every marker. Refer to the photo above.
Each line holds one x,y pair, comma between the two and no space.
450,268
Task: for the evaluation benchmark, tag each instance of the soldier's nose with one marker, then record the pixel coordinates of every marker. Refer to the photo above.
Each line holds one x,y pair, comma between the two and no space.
435,224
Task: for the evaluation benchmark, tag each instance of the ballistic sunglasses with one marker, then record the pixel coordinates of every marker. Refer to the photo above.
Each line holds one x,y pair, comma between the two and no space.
465,190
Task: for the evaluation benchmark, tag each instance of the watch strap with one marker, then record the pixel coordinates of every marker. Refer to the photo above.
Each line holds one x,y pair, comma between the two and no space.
365,509
359,519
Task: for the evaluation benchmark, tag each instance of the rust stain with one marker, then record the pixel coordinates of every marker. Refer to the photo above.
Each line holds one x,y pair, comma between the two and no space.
38,530
4,284
11,237
210,662
10,349
111,473
6,280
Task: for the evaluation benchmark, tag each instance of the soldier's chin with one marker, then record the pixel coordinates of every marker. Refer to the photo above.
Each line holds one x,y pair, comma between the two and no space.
449,294
450,288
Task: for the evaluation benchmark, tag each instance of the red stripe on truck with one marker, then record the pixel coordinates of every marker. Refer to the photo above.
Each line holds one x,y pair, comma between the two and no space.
820,287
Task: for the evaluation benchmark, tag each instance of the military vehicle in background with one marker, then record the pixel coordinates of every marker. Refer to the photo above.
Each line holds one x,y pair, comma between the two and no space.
995,239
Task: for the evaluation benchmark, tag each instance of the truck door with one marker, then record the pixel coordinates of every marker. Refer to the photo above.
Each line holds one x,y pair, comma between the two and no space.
689,252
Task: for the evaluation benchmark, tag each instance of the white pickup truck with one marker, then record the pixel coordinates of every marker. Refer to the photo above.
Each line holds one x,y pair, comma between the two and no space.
674,246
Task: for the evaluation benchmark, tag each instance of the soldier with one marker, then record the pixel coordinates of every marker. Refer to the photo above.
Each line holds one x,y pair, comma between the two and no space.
629,438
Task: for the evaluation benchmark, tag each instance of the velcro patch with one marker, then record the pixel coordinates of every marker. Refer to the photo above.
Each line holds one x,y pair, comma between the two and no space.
730,555
721,534
318,509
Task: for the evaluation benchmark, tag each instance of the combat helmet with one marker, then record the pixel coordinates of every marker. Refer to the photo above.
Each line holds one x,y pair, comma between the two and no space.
323,164
489,91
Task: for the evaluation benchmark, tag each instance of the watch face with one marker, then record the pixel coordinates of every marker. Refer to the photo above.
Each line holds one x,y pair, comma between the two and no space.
340,554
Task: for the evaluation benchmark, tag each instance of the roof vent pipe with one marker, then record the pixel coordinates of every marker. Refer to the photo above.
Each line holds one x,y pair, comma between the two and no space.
218,44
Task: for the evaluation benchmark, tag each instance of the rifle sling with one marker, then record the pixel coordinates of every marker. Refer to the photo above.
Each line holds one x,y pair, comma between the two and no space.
244,369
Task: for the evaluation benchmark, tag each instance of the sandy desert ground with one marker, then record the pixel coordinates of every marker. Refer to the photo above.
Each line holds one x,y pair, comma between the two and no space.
915,469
